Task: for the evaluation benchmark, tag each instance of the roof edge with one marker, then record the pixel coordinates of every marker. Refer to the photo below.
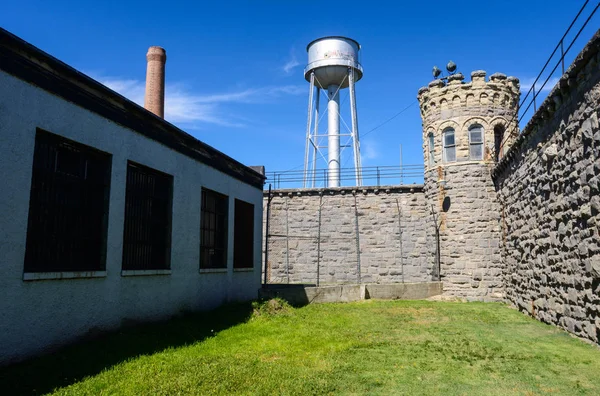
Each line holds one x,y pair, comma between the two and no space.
29,63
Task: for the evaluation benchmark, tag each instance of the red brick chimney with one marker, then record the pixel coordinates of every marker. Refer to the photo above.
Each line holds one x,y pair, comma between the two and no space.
155,81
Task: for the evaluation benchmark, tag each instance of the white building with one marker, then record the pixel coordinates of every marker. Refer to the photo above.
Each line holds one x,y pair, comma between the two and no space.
108,213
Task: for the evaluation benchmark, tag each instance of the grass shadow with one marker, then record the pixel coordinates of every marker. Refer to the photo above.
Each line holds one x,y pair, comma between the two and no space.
89,357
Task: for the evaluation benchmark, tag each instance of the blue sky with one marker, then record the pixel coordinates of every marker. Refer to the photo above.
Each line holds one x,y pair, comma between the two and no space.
235,68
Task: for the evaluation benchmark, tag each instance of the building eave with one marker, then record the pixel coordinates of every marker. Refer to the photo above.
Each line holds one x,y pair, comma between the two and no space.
38,68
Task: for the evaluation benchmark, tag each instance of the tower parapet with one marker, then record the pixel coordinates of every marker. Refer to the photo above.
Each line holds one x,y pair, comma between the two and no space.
491,104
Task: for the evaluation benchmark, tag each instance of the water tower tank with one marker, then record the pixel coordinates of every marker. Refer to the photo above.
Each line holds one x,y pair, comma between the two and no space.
329,58
332,66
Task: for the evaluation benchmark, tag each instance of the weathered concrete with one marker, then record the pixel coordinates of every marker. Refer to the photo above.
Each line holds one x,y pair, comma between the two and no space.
306,294
549,189
404,291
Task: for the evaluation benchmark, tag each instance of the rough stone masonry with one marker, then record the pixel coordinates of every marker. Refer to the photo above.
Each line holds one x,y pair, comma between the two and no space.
549,192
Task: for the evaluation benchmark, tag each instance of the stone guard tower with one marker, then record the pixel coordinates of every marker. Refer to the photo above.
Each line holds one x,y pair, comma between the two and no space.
466,128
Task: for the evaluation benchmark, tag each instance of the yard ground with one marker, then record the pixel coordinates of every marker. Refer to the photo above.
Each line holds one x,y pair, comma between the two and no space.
370,347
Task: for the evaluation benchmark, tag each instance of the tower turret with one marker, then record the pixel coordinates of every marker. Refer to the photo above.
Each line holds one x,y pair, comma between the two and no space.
467,126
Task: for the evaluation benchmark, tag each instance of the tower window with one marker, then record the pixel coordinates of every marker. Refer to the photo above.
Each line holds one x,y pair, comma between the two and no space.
498,138
431,149
449,145
476,142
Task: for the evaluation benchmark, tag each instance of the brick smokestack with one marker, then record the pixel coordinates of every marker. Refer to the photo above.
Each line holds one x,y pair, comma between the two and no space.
155,81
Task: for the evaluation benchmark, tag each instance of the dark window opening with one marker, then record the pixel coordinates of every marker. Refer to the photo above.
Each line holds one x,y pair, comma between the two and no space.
213,230
243,235
68,206
498,144
147,231
431,149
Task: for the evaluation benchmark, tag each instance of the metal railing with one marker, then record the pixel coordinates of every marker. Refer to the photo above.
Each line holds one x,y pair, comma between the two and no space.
532,97
371,176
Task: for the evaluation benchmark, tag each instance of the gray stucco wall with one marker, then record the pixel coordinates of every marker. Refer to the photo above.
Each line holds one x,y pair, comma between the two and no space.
385,256
39,315
549,188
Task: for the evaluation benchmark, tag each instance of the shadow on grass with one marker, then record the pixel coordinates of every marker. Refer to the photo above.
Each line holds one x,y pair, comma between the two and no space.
86,358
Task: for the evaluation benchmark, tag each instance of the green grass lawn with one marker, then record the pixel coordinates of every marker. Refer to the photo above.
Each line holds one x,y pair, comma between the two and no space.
370,347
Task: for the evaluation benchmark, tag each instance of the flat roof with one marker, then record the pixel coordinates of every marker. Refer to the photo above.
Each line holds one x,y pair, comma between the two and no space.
30,64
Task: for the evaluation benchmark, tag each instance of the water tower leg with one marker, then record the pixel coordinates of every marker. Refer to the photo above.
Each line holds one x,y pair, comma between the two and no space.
308,125
333,136
355,141
315,139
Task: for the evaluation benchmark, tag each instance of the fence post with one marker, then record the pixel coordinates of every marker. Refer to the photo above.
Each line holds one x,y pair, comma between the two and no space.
400,238
357,239
287,240
319,240
562,56
269,198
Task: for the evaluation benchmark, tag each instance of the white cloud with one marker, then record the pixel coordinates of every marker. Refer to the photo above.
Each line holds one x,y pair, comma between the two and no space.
292,63
190,109
527,83
369,150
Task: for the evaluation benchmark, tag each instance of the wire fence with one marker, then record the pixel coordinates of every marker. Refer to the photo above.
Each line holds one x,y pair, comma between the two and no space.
371,176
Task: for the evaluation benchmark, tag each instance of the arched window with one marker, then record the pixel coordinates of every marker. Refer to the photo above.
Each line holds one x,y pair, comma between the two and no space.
449,154
498,140
431,149
476,142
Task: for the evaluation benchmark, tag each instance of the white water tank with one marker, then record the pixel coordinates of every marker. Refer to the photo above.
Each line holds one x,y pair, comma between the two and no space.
329,58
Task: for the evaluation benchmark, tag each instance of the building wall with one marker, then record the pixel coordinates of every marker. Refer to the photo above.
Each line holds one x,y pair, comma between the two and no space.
470,260
461,192
549,190
386,256
38,315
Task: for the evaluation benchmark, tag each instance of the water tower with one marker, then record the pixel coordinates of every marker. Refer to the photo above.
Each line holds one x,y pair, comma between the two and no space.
332,65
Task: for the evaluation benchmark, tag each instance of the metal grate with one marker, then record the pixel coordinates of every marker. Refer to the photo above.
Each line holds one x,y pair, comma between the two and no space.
243,235
213,230
68,206
147,234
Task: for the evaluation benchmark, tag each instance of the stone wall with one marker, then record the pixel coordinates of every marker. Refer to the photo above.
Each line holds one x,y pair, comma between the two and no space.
468,218
549,189
378,213
459,187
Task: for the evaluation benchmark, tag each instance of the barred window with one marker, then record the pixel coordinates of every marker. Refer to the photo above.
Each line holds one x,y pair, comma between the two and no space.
68,206
449,145
213,230
147,231
243,235
431,149
476,142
